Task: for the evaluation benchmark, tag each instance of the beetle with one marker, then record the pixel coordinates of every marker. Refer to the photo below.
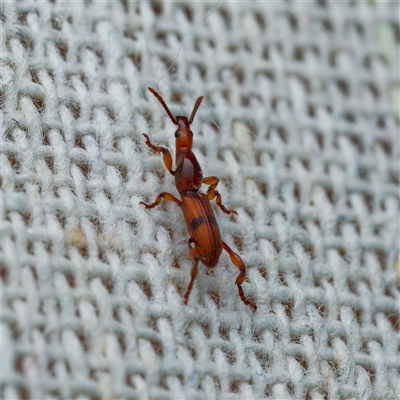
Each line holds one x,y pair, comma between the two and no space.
205,243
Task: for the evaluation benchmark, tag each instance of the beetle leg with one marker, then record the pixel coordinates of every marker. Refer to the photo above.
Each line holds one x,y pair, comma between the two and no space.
166,154
215,194
212,181
163,195
194,255
239,280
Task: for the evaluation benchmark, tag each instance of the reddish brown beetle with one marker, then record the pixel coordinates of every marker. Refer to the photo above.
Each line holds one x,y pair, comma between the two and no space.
205,243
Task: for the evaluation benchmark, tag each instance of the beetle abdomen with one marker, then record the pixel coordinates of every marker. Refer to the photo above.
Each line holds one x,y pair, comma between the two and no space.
202,227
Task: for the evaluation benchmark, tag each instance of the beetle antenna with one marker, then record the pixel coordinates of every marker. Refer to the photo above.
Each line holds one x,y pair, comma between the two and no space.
161,100
196,106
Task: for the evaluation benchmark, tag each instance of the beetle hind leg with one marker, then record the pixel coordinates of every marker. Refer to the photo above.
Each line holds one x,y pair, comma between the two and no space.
239,280
194,255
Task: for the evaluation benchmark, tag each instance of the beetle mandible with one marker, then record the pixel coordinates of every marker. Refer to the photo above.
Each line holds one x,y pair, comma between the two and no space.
205,243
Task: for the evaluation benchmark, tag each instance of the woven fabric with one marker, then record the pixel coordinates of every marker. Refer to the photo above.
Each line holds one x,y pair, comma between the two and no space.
300,122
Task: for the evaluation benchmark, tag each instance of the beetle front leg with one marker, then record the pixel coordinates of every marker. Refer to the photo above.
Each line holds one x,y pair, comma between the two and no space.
158,149
194,255
239,280
163,195
215,194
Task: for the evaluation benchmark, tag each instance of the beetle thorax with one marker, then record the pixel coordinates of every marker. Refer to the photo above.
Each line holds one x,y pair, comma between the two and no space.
188,175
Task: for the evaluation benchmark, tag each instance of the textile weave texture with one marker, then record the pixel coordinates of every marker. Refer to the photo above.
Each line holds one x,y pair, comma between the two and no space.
301,124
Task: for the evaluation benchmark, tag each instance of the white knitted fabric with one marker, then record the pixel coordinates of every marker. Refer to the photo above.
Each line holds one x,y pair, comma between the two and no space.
300,122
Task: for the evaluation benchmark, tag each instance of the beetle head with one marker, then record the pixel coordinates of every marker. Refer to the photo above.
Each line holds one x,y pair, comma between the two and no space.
183,135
